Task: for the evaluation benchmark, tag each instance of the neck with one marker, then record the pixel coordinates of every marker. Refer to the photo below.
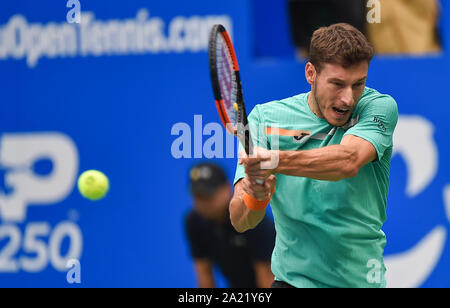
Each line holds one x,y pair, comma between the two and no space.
217,218
313,105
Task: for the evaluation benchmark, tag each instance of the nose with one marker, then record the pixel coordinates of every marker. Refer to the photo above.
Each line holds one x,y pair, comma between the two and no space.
347,97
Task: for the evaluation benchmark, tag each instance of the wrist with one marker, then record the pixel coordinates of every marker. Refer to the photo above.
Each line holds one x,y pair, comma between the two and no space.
282,155
255,204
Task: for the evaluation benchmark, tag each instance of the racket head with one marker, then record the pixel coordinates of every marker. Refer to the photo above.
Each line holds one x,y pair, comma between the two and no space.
226,83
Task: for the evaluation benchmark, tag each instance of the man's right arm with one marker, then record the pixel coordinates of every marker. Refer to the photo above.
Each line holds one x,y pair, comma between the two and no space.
242,218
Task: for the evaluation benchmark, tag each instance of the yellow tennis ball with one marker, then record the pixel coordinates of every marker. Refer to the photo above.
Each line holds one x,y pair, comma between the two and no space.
93,185
236,107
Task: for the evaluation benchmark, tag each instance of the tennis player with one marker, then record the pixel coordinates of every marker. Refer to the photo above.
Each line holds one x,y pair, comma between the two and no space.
330,199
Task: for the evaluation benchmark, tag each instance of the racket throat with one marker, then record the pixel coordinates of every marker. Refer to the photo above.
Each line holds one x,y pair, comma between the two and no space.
243,134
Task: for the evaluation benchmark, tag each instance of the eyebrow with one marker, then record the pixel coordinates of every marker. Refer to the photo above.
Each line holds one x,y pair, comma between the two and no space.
342,81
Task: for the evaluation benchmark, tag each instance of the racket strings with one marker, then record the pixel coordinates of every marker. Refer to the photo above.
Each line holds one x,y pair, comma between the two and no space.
227,79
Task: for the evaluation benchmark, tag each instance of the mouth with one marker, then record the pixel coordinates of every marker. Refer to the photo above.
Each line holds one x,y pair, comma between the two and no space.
341,113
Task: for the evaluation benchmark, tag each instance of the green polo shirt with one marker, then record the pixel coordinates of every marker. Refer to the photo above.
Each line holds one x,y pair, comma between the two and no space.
328,233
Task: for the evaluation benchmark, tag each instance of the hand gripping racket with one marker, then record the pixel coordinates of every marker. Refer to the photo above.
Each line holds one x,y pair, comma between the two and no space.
227,88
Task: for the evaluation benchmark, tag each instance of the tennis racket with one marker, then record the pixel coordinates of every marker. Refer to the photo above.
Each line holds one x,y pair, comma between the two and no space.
227,87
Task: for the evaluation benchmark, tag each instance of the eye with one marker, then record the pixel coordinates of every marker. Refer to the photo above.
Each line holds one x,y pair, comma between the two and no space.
359,84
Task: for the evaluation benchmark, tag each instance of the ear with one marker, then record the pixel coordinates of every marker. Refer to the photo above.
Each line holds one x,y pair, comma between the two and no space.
310,73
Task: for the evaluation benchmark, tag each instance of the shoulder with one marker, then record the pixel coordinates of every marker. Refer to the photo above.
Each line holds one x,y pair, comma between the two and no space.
194,221
375,105
372,99
278,107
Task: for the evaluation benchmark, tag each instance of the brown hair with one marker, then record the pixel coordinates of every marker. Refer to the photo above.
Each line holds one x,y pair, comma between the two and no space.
339,44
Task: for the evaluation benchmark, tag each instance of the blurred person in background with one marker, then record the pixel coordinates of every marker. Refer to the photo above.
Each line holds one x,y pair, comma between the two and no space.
243,259
306,16
406,26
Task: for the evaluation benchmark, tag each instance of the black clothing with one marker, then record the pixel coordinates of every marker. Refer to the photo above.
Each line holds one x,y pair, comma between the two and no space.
232,252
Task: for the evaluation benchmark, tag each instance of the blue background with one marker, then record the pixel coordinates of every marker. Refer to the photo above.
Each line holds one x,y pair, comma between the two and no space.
119,111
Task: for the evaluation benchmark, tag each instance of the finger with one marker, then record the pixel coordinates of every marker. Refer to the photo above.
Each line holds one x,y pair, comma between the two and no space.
271,179
261,153
264,175
247,162
272,182
242,155
252,162
259,181
257,191
254,186
258,188
262,195
257,175
252,172
246,186
256,179
268,185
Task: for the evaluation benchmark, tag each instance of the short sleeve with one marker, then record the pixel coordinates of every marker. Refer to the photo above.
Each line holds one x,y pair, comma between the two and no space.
258,137
262,240
197,238
376,123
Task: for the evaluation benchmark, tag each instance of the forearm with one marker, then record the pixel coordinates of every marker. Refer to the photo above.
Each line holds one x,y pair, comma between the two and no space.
331,163
242,218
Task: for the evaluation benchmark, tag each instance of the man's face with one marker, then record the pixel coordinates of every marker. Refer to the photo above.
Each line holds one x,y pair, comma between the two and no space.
214,207
337,90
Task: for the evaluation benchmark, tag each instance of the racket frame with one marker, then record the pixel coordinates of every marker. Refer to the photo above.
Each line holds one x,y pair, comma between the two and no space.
241,129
